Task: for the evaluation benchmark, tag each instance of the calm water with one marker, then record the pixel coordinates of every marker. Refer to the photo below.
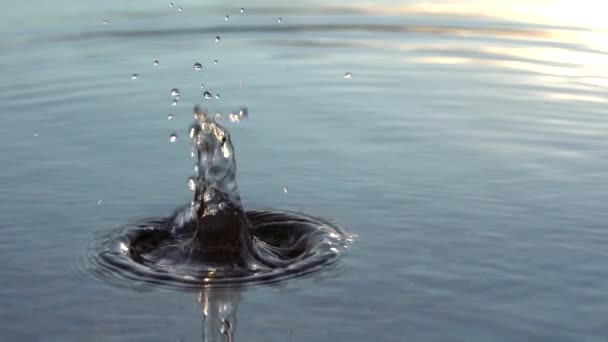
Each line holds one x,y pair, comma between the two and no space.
468,152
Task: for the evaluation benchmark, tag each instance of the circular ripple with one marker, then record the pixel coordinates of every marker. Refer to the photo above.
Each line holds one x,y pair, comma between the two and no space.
294,244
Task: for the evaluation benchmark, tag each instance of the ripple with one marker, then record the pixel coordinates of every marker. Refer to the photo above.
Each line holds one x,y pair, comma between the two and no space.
312,244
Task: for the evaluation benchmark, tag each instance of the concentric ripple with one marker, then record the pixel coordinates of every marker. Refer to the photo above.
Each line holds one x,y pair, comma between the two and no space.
286,245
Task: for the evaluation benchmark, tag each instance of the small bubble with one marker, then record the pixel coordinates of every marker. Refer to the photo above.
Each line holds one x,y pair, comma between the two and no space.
156,62
134,76
208,95
174,102
170,116
242,10
191,183
198,66
227,17
173,138
215,61
348,75
280,20
105,22
175,92
217,96
217,38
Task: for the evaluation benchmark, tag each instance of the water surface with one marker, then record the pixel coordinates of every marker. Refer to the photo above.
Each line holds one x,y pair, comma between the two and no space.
468,152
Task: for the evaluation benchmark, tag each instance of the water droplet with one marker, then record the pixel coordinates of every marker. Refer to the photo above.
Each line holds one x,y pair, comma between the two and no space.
156,62
242,10
227,17
348,75
105,21
173,138
174,103
233,117
217,38
134,76
208,95
202,85
285,190
217,96
218,116
215,61
175,92
180,9
36,134
171,4
198,66
99,202
280,20
191,183
244,112
170,116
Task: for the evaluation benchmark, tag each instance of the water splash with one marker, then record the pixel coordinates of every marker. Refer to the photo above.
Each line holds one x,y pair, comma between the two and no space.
213,240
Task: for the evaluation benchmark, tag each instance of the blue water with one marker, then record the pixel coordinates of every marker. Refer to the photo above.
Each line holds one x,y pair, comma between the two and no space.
468,152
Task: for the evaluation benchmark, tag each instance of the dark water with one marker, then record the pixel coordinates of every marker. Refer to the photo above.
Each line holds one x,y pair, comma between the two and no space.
468,152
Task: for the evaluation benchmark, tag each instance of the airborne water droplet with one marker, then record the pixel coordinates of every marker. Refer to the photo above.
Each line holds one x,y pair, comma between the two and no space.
285,190
244,112
173,138
156,62
208,95
198,66
202,85
174,92
242,10
180,9
134,76
217,38
105,21
227,17
215,61
217,96
348,75
170,117
171,4
280,20
174,103
218,116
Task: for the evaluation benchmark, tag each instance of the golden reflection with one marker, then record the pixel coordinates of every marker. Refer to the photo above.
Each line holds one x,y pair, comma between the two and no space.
580,13
574,39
